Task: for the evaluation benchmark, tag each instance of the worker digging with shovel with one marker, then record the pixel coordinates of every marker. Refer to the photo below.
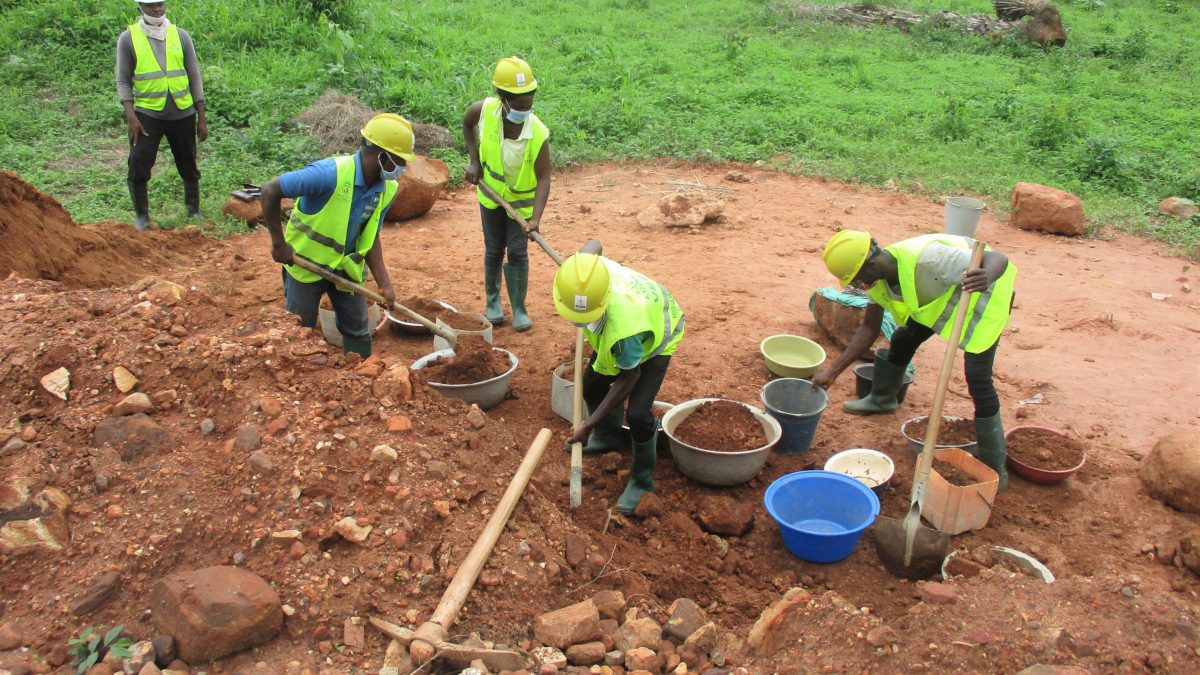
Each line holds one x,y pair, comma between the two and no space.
634,326
920,281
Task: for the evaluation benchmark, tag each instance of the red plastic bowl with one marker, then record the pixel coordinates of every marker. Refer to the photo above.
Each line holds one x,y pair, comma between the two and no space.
1041,476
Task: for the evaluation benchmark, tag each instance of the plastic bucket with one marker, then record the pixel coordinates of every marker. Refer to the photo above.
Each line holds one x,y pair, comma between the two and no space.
797,405
962,215
821,514
864,376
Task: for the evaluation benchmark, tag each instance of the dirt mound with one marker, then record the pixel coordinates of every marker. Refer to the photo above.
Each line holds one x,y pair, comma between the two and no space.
474,361
336,119
723,426
41,241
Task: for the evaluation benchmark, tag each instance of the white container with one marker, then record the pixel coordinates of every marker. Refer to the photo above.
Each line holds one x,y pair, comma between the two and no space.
440,344
962,215
869,467
327,320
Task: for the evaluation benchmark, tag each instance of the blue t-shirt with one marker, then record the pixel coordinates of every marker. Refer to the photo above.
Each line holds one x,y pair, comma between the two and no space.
630,350
316,183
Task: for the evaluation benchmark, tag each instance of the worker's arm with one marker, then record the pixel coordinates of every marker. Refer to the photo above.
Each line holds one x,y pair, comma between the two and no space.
541,168
126,60
862,339
272,195
620,390
379,271
195,84
470,121
990,269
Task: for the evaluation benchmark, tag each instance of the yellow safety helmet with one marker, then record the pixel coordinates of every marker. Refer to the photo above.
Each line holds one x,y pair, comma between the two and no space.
845,254
392,133
581,289
513,75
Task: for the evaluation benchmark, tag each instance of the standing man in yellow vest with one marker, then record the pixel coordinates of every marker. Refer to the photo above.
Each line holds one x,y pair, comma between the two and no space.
340,204
509,149
921,282
158,82
634,326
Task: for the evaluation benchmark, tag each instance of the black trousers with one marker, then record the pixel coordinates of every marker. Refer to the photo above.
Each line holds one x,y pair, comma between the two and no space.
181,135
639,411
977,367
501,233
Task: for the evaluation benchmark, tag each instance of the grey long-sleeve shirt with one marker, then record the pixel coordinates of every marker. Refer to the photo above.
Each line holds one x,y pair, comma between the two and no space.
126,59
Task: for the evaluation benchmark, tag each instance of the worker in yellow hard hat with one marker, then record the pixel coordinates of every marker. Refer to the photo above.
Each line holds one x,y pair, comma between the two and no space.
509,149
921,281
340,206
634,326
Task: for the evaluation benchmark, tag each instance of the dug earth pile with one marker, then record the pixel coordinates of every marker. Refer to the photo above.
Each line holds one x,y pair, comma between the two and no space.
354,491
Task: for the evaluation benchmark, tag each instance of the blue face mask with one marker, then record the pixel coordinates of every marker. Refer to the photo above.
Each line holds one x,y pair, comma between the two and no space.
518,116
390,175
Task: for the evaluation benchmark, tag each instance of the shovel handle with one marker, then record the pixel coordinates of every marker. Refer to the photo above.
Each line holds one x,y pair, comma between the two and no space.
446,334
515,215
576,418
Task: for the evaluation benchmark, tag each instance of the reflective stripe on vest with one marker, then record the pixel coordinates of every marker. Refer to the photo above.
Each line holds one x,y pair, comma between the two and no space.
491,135
321,236
637,305
987,312
151,82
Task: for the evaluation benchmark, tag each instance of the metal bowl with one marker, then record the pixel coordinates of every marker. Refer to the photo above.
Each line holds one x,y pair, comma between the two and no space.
720,469
918,444
485,394
401,326
1037,475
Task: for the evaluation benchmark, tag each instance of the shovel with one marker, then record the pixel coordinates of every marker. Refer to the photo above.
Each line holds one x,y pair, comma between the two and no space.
448,334
515,215
907,548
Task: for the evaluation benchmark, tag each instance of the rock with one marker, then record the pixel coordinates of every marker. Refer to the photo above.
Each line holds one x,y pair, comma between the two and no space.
132,436
437,470
475,417
141,654
97,594
678,524
610,604
569,625
577,548
260,462
165,397
14,445
164,649
703,640
840,321
1080,643
550,657
938,594
1189,551
962,566
649,506
207,426
725,516
686,618
395,385
354,634
1171,471
351,531
247,438
644,659
57,382
399,424
614,658
737,177
124,379
133,404
775,623
384,453
150,669
270,406
643,632
251,212
48,530
10,637
1039,207
685,209
418,188
1178,207
586,654
215,611
881,636
371,368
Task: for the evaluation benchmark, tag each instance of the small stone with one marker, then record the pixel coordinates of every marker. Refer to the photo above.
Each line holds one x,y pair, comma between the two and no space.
10,637
642,658
569,625
549,656
286,535
475,417
113,511
270,406
938,594
577,548
354,634
134,404
97,594
164,649
442,507
207,426
124,379
649,506
725,516
609,604
615,657
399,424
288,610
384,453
260,462
586,654
686,617
880,636
150,669
247,438
239,559
634,633
141,654
57,382
437,470
350,530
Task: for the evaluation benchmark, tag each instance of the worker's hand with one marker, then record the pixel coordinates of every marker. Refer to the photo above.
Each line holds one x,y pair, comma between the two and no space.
533,224
823,379
282,253
580,434
135,128
202,130
388,294
472,173
976,280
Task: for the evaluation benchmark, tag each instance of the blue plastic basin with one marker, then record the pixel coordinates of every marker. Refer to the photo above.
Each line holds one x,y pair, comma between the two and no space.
821,514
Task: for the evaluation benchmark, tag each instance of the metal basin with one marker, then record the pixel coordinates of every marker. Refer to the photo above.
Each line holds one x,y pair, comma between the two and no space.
485,394
485,332
720,469
400,326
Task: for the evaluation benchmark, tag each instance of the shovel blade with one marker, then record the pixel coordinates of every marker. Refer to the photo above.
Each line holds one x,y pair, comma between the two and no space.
928,551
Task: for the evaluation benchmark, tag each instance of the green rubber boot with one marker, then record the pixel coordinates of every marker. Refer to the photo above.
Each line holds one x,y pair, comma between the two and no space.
641,474
491,287
517,280
885,384
360,346
993,451
606,437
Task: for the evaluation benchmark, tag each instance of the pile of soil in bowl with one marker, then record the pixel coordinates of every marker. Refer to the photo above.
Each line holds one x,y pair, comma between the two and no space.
959,431
474,361
424,306
1044,449
723,426
461,321
952,474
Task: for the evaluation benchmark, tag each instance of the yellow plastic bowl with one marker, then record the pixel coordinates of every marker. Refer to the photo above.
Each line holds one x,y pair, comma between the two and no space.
792,355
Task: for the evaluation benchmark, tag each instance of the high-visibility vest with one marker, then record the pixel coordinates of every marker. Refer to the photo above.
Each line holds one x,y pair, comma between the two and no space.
987,312
637,304
491,134
151,83
321,236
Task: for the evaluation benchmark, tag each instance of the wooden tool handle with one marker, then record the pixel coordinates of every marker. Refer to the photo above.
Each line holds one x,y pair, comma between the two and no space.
576,418
447,334
515,215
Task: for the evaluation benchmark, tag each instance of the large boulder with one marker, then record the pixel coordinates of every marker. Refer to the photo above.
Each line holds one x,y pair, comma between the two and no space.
215,611
1171,472
251,212
1178,207
1040,207
840,321
418,188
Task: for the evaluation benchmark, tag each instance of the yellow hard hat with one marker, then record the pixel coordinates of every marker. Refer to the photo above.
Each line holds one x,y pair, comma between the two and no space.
392,133
845,254
514,76
581,288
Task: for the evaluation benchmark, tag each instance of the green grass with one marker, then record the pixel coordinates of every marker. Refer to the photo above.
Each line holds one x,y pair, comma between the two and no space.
1111,117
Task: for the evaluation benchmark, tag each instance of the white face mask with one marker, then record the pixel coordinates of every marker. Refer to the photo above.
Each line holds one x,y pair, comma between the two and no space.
154,20
390,175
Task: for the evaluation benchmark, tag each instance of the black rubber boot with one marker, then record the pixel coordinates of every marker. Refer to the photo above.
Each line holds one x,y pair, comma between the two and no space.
517,280
141,205
491,287
641,474
191,197
885,385
993,450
